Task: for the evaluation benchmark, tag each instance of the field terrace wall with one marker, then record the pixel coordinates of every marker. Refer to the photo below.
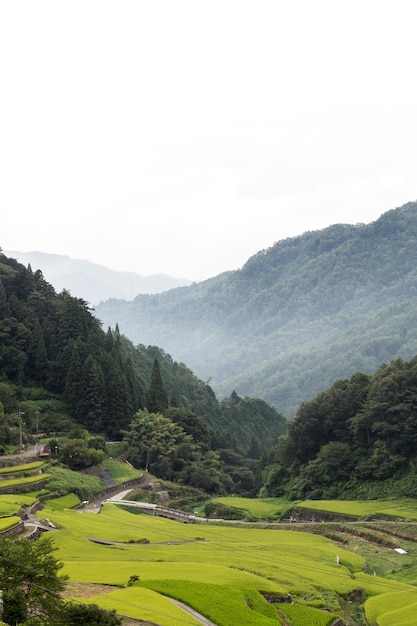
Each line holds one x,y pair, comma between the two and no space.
41,484
310,515
14,530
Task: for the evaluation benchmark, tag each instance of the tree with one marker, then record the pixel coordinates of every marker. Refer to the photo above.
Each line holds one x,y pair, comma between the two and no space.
93,394
157,398
154,441
192,424
78,454
14,607
91,614
73,383
30,580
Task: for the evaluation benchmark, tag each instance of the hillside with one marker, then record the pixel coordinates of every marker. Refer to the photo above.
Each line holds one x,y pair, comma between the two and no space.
57,361
296,317
357,439
91,281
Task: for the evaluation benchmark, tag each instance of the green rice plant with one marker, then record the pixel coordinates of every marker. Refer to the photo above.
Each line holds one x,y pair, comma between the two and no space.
305,615
25,467
10,503
69,501
229,564
362,509
256,601
403,617
9,522
256,507
375,586
118,572
392,608
144,604
26,480
8,508
121,472
222,604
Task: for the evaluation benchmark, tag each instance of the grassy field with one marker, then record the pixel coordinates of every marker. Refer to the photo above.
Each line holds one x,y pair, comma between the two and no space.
121,472
219,571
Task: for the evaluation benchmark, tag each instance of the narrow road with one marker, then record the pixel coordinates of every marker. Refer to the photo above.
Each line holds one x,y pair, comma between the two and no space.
203,620
33,451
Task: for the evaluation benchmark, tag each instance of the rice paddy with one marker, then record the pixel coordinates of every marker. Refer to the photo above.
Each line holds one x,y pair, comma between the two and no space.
264,508
221,572
139,564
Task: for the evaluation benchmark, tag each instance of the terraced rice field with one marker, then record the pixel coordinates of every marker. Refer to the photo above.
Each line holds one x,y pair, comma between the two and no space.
221,572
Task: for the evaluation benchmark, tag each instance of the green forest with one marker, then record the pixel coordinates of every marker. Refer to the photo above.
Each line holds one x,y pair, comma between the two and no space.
296,317
358,439
62,374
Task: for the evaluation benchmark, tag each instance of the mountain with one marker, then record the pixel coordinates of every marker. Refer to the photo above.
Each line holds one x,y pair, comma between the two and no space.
94,282
296,317
56,359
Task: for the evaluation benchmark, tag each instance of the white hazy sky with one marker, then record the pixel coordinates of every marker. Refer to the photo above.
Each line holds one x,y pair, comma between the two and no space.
183,136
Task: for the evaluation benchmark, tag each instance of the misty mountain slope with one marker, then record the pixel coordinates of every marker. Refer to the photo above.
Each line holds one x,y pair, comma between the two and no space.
296,317
93,282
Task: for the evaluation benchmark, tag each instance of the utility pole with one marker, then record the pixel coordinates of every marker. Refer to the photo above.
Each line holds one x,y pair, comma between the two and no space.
20,429
37,431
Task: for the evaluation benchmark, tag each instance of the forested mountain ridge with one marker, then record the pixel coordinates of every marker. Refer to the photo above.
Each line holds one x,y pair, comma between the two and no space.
56,360
296,317
357,439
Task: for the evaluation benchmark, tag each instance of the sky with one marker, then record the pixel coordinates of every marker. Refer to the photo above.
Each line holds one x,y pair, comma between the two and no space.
182,137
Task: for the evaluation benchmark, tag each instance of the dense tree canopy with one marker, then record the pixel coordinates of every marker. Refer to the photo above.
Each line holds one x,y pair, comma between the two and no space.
295,317
162,446
55,360
361,430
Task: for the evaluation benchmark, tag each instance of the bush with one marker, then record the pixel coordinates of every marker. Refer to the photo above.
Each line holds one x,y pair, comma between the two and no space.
63,481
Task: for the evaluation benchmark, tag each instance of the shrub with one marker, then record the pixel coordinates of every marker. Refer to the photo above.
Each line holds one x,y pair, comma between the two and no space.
63,481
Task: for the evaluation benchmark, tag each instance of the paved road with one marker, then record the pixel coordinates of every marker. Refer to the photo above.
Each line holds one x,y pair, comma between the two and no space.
203,620
32,452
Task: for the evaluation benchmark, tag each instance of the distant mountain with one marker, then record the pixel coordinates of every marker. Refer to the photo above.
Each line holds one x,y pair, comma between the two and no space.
296,317
93,282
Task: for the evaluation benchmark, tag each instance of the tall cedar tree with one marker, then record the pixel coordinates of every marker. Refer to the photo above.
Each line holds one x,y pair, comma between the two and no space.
157,398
